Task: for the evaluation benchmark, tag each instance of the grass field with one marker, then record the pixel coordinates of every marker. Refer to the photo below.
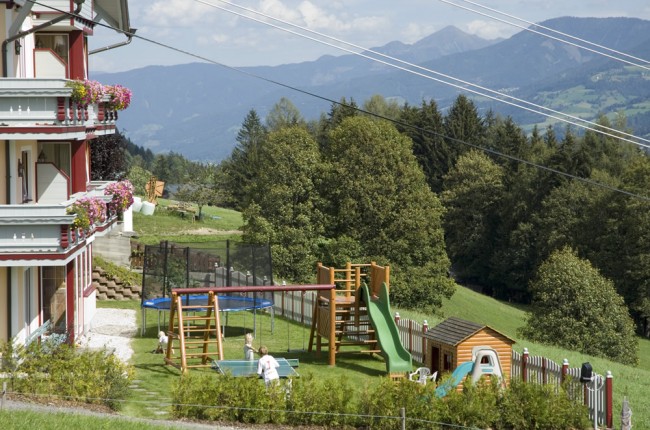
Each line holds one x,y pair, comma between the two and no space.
13,419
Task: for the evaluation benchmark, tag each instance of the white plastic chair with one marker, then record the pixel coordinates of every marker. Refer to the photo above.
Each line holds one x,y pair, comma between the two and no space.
422,375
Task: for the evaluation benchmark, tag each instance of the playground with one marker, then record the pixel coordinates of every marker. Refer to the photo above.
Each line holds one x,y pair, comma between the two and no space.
347,312
287,333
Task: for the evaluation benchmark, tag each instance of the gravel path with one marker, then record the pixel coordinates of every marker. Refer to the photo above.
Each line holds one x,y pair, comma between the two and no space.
112,329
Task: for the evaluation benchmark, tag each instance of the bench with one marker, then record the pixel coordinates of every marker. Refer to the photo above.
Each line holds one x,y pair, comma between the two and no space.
184,209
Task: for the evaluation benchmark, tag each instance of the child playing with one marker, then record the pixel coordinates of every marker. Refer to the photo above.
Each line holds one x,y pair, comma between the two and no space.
267,366
249,350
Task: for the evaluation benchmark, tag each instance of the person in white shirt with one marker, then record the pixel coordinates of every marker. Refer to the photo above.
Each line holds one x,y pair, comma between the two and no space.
249,350
267,366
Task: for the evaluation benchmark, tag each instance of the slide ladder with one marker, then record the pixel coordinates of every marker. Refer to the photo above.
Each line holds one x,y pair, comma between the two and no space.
194,333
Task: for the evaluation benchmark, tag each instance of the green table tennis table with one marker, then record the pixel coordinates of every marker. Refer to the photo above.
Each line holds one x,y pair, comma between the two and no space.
249,367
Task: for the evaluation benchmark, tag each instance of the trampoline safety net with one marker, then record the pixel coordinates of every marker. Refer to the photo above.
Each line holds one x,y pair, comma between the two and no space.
227,263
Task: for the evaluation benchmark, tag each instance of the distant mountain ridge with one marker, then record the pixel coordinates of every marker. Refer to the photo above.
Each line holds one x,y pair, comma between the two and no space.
196,109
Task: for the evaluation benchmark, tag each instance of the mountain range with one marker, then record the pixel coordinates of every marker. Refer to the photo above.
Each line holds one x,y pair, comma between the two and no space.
196,109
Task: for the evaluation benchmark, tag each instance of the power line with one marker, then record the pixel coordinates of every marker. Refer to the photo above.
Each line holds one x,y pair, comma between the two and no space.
463,85
552,31
314,95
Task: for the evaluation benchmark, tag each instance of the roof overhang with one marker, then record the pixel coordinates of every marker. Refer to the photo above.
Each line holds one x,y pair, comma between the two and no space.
114,12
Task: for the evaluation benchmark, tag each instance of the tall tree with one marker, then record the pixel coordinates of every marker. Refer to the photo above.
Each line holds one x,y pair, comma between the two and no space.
338,112
107,157
424,125
284,114
378,105
286,198
239,170
379,197
463,125
575,307
473,190
201,188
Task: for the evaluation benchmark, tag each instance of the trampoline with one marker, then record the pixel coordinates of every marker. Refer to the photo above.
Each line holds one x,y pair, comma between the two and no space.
227,304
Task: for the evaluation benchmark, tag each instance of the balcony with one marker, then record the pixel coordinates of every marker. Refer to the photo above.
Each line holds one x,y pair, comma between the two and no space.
42,109
43,231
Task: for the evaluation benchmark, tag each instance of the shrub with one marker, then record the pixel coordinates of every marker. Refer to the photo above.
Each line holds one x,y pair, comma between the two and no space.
531,406
62,371
333,403
113,271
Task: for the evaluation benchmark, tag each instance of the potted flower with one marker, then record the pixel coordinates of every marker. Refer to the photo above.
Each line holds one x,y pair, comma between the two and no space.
122,192
85,92
81,221
120,97
95,209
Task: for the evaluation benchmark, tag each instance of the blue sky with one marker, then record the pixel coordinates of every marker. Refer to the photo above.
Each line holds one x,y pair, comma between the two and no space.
200,27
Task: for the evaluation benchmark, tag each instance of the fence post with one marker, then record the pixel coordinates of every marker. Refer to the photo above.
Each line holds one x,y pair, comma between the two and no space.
402,413
396,317
4,394
524,365
626,415
565,370
425,328
609,390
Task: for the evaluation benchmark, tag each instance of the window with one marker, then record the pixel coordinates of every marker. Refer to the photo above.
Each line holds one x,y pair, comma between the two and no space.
447,361
55,43
53,297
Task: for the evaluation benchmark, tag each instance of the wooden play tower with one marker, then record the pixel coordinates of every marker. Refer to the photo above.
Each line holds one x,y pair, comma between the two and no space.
337,313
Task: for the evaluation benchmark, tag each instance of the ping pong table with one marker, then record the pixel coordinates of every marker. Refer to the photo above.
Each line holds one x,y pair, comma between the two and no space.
249,367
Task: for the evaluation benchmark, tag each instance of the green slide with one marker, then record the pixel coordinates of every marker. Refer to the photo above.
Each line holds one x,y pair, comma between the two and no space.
397,358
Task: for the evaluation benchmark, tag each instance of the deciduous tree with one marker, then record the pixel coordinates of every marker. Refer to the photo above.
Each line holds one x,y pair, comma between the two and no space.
575,307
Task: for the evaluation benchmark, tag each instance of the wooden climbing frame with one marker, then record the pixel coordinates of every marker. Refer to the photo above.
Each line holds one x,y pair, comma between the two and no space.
199,336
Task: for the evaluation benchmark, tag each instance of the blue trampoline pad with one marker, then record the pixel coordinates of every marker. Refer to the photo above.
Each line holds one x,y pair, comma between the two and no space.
226,303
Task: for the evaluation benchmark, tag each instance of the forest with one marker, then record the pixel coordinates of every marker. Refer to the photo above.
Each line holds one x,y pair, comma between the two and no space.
554,220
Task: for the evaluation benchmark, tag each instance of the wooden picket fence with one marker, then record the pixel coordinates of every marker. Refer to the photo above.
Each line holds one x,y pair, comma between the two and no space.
533,369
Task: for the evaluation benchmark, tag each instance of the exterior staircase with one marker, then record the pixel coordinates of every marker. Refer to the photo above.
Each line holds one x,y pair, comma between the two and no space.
112,288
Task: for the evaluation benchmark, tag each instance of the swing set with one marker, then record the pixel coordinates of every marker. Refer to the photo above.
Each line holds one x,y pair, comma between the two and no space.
198,337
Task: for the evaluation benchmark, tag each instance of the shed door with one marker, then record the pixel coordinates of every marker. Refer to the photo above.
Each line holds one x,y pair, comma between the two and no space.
435,359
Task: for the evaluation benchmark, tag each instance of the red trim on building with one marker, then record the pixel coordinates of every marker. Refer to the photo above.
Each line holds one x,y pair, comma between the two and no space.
70,298
36,256
45,129
79,168
77,55
60,109
64,236
89,290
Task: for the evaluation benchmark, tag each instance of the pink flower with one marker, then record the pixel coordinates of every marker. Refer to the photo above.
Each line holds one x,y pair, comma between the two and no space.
120,97
122,192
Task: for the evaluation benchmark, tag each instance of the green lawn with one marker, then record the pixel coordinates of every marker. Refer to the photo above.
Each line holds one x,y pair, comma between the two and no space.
21,419
164,225
154,379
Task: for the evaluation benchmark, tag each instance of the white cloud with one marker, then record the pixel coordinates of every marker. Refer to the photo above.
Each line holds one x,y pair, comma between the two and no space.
176,13
414,32
277,9
490,29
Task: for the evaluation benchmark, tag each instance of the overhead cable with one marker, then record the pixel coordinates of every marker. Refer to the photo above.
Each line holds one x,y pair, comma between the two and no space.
463,85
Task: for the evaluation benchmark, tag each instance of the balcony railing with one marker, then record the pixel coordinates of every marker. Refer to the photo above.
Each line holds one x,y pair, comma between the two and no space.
34,107
32,229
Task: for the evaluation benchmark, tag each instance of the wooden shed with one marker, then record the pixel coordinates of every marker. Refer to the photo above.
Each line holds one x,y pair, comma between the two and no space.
450,344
